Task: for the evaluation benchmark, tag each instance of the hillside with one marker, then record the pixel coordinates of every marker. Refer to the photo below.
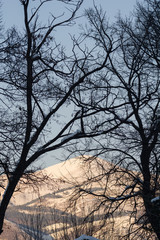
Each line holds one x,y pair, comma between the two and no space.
10,232
63,175
50,204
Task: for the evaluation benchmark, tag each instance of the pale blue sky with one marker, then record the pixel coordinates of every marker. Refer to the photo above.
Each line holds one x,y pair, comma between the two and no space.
12,14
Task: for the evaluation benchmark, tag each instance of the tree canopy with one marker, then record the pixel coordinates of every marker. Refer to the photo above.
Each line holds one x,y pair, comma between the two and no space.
130,128
111,79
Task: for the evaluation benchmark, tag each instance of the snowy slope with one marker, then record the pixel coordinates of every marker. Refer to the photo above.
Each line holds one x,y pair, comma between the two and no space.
73,170
84,237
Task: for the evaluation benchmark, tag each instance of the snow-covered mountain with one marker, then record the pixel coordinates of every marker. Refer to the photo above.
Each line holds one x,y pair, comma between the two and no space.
51,198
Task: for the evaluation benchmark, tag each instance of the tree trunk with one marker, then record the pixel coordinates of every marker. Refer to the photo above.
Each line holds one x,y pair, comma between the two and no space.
152,209
153,214
8,194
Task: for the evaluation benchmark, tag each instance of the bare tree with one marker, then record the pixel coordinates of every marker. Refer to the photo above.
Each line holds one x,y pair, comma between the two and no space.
32,225
111,79
61,225
130,123
38,80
